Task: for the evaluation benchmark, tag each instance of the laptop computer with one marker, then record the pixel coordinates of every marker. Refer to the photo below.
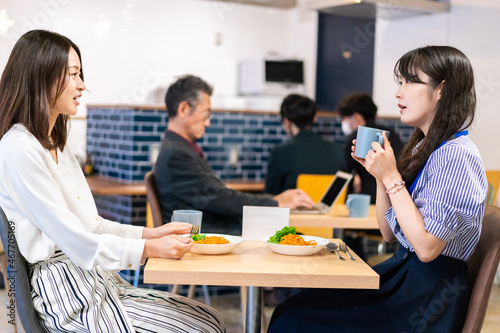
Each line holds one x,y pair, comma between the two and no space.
331,195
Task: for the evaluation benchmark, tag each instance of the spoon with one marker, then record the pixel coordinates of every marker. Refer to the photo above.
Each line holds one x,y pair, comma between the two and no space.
332,247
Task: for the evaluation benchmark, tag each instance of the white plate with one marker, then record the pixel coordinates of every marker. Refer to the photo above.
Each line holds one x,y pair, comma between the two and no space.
298,250
217,248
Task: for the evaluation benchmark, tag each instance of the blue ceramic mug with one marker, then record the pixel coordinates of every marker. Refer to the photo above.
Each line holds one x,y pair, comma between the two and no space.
364,139
358,205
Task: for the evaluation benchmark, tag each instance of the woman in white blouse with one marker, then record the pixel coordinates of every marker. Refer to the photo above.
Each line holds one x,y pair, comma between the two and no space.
73,252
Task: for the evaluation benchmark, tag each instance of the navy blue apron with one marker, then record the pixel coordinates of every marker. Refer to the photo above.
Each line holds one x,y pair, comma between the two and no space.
413,297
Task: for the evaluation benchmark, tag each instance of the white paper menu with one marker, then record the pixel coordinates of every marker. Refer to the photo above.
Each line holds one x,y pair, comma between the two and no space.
259,222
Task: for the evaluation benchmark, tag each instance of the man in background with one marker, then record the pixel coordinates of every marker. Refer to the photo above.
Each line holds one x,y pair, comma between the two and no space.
307,152
358,109
184,178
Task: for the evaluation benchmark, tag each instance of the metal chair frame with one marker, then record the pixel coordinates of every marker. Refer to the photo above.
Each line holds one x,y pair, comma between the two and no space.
19,277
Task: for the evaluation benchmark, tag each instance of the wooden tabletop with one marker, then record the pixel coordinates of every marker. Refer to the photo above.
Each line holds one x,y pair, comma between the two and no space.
102,186
254,264
338,217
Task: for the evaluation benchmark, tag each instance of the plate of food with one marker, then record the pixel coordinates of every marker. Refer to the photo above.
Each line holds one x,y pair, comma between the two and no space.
214,243
286,241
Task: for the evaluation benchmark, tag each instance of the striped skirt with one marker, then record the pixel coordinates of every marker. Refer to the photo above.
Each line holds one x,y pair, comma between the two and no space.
71,299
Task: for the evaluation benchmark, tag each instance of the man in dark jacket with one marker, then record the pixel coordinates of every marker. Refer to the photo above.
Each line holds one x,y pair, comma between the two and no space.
184,178
307,152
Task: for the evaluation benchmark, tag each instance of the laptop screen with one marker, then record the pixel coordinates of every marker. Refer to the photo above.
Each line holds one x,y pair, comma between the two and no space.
334,190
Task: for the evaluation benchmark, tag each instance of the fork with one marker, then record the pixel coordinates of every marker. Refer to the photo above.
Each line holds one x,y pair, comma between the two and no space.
195,230
344,248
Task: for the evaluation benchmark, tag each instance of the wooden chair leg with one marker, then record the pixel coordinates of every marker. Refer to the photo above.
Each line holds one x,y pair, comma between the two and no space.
191,291
175,289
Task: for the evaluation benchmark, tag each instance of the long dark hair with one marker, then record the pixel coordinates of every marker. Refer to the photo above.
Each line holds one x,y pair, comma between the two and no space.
37,65
455,109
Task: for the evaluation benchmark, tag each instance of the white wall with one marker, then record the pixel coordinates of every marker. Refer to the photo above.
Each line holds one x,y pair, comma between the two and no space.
132,49
473,26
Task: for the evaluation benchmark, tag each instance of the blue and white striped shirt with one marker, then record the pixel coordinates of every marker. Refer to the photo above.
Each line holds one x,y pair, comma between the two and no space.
451,196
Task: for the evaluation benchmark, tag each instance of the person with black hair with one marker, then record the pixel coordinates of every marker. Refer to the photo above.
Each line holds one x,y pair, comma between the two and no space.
431,201
184,178
72,253
358,109
307,152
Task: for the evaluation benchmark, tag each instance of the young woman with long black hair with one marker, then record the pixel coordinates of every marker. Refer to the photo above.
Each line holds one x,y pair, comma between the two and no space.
432,202
73,252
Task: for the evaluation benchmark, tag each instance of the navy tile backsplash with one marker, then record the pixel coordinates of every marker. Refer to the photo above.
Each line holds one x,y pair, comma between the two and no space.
119,141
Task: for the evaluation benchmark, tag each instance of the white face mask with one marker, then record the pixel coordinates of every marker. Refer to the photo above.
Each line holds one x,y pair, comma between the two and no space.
346,127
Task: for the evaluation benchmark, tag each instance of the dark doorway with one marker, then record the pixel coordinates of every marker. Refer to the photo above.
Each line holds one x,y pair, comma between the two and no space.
345,58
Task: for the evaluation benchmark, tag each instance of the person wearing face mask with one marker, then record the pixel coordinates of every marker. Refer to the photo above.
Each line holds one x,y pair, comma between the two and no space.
307,152
358,109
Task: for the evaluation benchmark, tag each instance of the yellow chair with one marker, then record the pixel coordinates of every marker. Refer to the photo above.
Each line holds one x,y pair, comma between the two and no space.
315,186
493,177
497,202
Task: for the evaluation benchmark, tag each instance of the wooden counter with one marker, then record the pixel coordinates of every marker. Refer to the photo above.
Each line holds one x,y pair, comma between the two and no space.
103,186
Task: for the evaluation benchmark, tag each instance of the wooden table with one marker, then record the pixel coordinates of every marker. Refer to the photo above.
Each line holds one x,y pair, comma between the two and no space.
337,218
102,186
254,265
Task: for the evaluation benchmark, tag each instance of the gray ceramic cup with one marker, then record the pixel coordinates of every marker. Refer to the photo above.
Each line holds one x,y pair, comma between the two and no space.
364,139
188,216
358,205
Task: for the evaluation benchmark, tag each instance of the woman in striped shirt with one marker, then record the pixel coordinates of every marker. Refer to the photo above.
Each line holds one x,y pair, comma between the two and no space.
432,202
72,252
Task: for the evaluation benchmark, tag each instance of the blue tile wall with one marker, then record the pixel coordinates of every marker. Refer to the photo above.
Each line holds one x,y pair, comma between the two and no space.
119,141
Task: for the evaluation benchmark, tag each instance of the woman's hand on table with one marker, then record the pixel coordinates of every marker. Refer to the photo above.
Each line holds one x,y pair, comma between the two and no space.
168,247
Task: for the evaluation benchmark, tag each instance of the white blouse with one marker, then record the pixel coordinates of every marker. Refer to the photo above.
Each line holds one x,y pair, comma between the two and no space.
52,208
